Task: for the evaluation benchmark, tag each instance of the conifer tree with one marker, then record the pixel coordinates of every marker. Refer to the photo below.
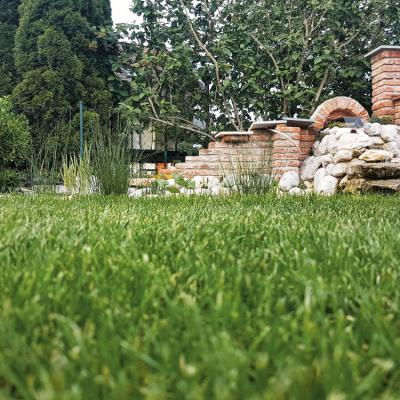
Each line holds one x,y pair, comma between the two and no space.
8,26
62,59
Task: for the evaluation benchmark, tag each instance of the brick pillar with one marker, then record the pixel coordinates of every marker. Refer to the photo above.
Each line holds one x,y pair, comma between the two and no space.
285,151
385,61
307,140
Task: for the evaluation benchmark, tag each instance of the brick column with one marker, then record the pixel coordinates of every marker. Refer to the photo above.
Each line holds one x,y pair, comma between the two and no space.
385,61
285,151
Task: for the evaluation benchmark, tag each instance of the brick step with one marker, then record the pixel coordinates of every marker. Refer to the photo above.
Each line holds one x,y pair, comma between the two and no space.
190,173
252,144
220,164
235,151
226,157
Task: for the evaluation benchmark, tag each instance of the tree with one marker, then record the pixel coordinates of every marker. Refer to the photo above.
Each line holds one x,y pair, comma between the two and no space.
8,27
208,61
62,57
14,136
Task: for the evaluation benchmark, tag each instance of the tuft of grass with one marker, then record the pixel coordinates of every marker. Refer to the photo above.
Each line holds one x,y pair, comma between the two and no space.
111,161
245,176
240,297
77,173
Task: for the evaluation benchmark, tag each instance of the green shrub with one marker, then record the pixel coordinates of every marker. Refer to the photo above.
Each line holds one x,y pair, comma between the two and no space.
9,180
14,136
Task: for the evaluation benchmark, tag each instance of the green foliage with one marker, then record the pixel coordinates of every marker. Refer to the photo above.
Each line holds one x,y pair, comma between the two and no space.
77,173
200,67
14,136
239,297
111,161
62,58
8,26
9,180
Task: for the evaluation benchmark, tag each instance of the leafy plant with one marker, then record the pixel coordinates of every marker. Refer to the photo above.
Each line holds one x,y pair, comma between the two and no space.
14,136
9,180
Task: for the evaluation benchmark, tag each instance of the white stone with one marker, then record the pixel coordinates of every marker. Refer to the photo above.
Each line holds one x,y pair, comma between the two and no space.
392,148
376,155
363,140
308,185
132,192
213,181
289,180
318,178
337,170
372,129
297,191
315,148
216,190
343,156
322,148
325,184
389,133
331,144
376,141
326,159
347,141
171,182
342,131
309,168
198,181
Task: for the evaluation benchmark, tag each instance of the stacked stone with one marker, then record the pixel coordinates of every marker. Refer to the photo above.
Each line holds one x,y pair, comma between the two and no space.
349,160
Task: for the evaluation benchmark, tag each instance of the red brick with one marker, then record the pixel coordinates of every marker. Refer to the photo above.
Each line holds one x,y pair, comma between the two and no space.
386,111
287,129
286,163
382,104
386,54
390,69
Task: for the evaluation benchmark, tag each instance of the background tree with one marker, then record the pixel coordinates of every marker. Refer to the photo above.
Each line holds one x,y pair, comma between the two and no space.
205,65
8,27
62,53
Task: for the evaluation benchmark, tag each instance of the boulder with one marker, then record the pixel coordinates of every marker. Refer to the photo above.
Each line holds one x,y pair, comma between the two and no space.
337,170
385,185
347,141
309,168
289,180
325,184
331,144
315,149
326,159
376,142
376,155
342,131
351,185
392,148
372,129
322,148
382,170
343,156
389,133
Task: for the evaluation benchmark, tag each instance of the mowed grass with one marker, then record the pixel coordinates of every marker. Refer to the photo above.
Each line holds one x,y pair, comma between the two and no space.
200,298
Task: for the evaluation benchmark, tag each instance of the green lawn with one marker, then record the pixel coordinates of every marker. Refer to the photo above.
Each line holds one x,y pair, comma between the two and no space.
200,298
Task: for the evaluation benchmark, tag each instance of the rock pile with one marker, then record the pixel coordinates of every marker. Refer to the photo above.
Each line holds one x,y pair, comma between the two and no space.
349,160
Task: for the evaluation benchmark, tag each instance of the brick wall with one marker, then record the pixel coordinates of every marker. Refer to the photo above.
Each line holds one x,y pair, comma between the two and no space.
385,64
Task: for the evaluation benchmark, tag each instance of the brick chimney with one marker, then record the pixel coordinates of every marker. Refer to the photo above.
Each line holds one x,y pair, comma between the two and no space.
385,61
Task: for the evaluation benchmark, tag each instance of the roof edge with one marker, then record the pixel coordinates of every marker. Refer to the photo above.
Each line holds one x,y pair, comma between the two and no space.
380,49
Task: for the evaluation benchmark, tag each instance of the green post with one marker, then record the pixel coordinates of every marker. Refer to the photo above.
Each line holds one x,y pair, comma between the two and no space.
81,143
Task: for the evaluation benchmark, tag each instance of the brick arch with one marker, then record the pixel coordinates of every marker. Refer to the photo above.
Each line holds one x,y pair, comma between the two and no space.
337,108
